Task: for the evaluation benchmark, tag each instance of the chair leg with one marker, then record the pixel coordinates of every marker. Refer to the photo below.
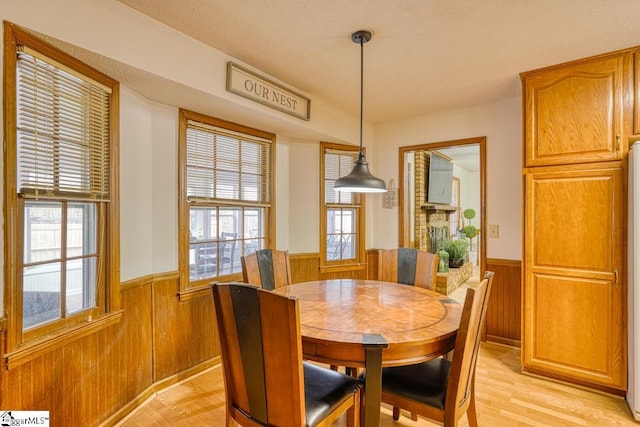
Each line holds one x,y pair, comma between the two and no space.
472,416
353,372
396,413
362,399
414,416
354,413
333,367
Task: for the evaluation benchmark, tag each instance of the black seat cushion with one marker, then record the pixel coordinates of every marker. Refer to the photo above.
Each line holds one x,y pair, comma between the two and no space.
425,382
324,390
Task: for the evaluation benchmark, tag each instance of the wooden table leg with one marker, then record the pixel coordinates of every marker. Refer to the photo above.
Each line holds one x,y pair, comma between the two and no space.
373,345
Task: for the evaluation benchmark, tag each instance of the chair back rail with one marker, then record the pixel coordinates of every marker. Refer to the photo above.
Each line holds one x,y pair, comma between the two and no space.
262,355
439,389
267,268
463,365
408,266
266,381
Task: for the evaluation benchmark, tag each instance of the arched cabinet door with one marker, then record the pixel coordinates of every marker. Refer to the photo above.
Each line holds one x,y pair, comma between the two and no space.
575,112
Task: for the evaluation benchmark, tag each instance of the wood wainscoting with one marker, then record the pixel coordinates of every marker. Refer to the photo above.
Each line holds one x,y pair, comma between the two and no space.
504,314
305,267
98,379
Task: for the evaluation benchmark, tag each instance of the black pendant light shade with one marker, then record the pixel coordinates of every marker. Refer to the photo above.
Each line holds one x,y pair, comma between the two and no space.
360,179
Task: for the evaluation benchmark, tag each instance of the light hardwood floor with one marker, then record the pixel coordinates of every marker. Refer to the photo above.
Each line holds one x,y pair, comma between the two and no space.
505,397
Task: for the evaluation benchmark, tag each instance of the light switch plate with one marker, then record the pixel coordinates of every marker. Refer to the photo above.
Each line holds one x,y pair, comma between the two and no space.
493,231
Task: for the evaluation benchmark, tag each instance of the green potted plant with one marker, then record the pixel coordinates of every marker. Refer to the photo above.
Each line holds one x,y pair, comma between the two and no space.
469,214
470,232
457,250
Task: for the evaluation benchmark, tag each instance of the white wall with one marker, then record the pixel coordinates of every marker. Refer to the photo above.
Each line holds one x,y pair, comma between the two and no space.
470,195
164,215
303,188
136,194
501,123
148,186
282,177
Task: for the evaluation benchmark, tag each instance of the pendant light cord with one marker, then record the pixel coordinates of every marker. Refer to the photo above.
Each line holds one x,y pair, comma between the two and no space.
361,92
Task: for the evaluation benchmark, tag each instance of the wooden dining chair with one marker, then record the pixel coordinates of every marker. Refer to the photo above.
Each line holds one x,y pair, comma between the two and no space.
266,381
228,245
440,389
267,268
408,266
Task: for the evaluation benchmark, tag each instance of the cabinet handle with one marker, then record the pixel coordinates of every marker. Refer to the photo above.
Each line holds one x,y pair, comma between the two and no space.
615,275
617,142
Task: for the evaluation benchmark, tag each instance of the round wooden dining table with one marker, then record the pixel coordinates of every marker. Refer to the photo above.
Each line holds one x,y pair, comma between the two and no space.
372,324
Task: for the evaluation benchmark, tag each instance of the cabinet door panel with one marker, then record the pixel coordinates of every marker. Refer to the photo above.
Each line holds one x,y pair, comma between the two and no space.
574,113
574,221
573,297
580,311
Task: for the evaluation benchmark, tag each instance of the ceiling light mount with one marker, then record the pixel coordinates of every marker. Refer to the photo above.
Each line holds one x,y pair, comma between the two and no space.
361,36
360,179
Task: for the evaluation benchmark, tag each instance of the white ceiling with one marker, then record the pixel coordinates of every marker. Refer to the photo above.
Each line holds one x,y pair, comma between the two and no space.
425,55
465,156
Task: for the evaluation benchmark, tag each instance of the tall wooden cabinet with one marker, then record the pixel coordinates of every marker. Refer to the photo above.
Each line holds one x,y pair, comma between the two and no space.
578,118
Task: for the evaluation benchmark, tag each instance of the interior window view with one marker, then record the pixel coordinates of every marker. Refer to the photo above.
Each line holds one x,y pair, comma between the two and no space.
322,214
443,186
220,236
44,262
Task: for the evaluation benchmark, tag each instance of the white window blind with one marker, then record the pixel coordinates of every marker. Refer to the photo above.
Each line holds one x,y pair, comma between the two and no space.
227,166
336,165
62,130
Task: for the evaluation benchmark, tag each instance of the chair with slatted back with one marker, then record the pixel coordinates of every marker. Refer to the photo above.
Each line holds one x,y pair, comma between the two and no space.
228,244
266,381
408,266
267,268
440,389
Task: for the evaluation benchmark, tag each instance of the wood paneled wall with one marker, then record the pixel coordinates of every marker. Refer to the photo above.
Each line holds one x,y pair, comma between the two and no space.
185,334
306,267
99,378
504,314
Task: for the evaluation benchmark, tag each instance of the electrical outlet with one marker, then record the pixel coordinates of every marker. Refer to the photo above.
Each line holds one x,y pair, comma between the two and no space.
494,231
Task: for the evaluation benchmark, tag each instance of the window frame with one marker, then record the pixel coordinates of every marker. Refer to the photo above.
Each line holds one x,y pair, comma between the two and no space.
357,263
199,287
24,346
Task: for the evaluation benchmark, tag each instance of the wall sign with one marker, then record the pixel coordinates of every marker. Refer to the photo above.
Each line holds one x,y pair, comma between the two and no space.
259,89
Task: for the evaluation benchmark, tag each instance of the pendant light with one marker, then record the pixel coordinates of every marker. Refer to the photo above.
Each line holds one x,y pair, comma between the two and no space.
360,179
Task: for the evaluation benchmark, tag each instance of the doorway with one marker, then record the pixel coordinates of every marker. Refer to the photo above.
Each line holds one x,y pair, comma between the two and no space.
468,195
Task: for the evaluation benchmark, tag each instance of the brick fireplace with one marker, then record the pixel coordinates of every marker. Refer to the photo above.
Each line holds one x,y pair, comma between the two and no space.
431,220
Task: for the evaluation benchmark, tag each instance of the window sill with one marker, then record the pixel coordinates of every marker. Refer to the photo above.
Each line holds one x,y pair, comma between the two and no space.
202,288
36,348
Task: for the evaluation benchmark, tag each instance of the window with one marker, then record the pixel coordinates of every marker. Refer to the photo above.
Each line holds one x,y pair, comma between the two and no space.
226,193
59,189
342,217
